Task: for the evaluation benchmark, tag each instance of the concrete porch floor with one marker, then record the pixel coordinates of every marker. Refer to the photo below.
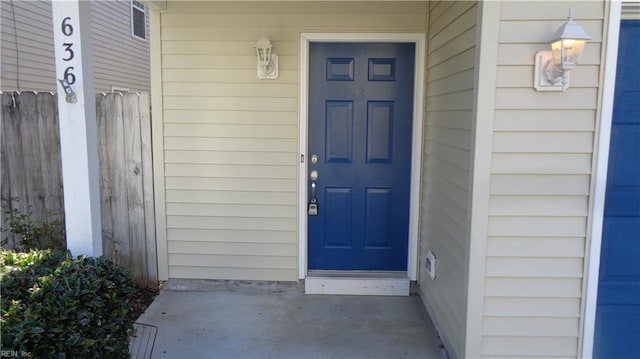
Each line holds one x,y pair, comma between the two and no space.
248,321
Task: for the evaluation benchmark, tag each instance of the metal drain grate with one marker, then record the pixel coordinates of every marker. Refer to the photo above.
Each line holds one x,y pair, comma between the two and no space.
141,344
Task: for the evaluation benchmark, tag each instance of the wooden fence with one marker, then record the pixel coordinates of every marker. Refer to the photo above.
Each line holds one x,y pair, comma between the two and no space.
31,171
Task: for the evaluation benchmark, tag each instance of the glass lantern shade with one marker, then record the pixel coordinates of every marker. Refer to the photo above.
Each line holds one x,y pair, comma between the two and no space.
567,52
567,44
263,50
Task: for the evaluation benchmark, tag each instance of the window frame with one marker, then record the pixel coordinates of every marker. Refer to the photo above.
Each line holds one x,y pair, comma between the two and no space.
137,6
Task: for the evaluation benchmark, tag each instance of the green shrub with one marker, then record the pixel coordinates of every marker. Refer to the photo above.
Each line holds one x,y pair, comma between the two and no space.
54,306
31,234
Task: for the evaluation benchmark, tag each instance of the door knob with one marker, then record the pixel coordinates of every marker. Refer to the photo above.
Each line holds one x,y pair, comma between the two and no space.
313,205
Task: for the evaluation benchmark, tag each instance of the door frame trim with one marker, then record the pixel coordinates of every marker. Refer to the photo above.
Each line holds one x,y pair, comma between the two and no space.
419,39
599,180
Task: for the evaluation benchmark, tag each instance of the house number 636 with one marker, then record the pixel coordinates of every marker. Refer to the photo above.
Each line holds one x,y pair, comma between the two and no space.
67,30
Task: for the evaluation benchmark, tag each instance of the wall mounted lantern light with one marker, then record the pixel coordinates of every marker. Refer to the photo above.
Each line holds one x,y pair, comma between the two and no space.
267,60
552,67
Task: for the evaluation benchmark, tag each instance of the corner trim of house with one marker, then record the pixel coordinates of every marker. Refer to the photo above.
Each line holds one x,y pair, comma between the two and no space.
419,39
488,21
599,180
155,52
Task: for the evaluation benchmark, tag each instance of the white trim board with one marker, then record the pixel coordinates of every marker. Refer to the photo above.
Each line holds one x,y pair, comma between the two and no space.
599,181
419,39
157,134
486,67
357,283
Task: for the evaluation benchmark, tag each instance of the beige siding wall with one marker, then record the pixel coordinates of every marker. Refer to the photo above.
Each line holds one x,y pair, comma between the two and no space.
540,180
35,46
119,59
451,58
231,140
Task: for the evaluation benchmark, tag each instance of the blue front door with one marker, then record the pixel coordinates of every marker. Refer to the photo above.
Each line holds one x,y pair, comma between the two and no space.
360,129
617,332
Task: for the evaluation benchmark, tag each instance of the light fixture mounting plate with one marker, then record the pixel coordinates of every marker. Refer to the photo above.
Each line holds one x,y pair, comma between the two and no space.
544,77
269,72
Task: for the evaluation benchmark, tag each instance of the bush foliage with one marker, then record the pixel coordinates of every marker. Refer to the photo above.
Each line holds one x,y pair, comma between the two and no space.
32,234
55,306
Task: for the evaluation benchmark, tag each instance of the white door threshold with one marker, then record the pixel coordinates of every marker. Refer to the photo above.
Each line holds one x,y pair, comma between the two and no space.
357,283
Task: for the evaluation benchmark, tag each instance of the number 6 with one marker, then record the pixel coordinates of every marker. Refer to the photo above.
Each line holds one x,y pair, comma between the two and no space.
67,29
69,76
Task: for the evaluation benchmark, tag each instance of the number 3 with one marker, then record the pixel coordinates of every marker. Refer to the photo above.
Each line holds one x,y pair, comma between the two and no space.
67,47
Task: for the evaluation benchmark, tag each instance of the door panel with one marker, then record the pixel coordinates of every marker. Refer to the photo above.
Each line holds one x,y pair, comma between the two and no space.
617,332
378,203
360,127
379,131
339,131
337,224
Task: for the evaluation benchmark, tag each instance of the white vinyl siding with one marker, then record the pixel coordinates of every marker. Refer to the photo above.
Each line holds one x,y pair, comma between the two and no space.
540,183
451,58
119,60
231,140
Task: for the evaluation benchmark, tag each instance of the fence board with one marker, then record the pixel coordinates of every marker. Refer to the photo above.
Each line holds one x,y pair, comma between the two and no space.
12,151
4,180
13,148
132,169
147,180
50,155
119,209
108,248
5,188
30,135
31,170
